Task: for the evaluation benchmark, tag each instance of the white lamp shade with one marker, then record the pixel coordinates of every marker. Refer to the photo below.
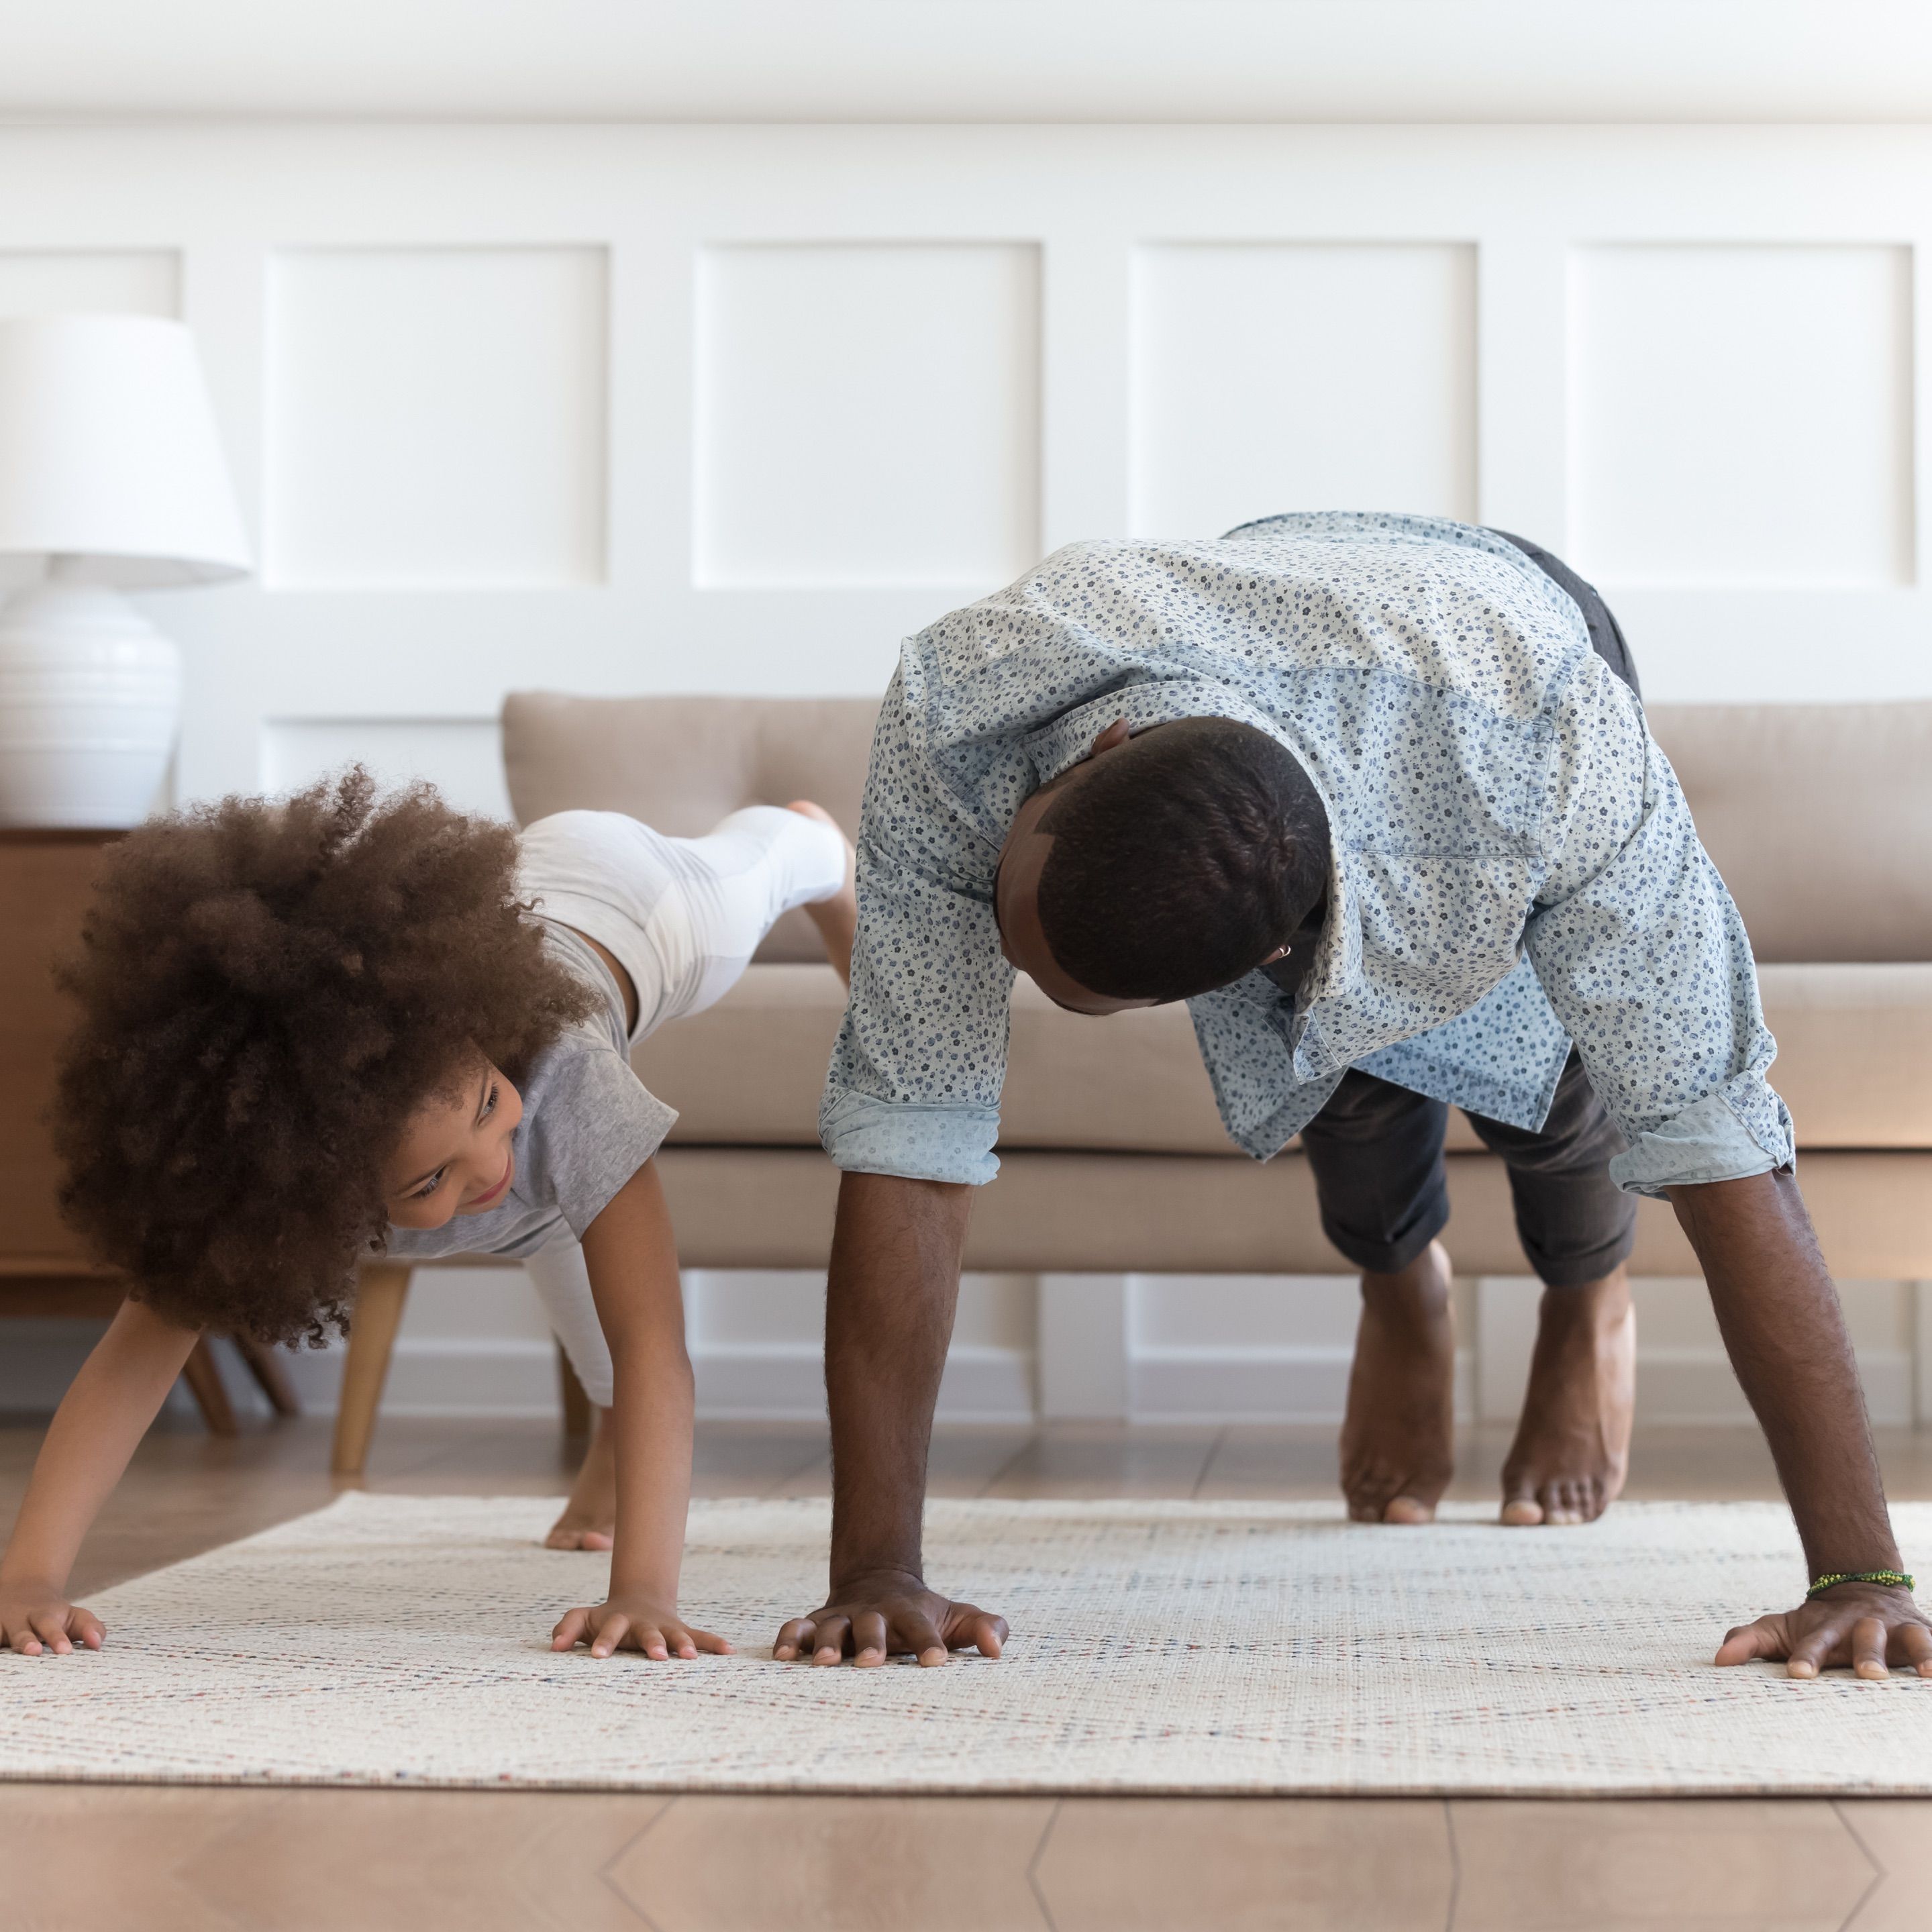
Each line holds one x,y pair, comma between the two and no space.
110,458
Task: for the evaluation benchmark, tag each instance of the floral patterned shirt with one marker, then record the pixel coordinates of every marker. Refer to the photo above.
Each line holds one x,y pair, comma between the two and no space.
1514,866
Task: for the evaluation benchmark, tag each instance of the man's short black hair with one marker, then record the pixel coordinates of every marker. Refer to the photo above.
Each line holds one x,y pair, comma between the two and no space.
1181,860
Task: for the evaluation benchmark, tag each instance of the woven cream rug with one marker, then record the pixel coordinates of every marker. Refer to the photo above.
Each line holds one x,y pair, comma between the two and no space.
1211,1647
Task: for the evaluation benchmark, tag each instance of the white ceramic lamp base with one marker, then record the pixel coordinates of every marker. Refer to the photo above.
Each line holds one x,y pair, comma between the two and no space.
90,696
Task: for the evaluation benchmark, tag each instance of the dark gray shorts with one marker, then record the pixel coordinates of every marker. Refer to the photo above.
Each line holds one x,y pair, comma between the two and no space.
1376,1151
1376,1148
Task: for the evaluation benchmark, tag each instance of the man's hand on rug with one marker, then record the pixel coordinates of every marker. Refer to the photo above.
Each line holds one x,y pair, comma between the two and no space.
632,1623
891,1614
1864,1625
33,1620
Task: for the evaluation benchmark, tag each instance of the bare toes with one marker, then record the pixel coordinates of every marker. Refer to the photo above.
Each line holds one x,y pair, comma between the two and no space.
566,1534
1522,1512
1563,1503
1409,1510
1369,1489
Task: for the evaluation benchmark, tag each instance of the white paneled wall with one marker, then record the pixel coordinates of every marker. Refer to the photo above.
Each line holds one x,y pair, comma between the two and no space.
1742,415
734,409
866,415
1268,374
462,756
434,418
56,281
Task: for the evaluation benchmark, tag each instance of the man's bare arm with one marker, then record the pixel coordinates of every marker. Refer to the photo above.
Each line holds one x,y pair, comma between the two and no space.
890,1300
1778,1312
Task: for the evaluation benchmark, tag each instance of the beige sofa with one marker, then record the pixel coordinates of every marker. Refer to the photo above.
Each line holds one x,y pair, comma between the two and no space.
1819,816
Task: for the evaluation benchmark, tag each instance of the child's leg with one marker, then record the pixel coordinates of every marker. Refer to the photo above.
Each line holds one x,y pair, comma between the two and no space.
563,1283
836,916
724,893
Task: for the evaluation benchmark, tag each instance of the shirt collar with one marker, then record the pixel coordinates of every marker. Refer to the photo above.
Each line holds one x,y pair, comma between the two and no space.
1146,701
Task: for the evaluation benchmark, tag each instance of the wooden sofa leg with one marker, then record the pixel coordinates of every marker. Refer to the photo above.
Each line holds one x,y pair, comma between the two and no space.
264,1364
576,1401
372,1324
202,1374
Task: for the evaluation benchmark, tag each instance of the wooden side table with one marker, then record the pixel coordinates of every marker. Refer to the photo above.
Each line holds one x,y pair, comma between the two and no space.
46,878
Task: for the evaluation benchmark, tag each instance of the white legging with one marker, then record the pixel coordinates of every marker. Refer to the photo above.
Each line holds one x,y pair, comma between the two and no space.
562,1284
684,916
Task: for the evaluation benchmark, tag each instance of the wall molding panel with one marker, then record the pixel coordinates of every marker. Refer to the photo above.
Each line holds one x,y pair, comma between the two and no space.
434,419
1299,373
903,375
1741,414
479,1348
58,281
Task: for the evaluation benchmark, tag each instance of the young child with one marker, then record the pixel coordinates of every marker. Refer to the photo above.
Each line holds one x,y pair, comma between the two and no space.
341,1025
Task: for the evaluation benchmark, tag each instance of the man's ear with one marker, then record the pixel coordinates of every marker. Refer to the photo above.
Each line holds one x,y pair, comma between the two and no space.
1116,733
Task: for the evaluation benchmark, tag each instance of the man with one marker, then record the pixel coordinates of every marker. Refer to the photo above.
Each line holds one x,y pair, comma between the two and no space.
1364,791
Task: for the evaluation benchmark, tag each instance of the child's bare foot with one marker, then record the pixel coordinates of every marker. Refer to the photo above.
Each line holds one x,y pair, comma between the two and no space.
837,917
1398,1438
589,1519
1572,1447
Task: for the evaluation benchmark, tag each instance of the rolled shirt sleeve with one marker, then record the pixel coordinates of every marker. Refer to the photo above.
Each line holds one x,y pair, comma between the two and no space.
1641,954
913,1087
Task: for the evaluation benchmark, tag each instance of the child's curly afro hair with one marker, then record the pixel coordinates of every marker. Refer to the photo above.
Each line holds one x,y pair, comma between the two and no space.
269,988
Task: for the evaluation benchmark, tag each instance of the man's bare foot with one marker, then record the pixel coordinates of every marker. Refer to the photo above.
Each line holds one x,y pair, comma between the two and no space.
1398,1439
836,918
1572,1447
589,1519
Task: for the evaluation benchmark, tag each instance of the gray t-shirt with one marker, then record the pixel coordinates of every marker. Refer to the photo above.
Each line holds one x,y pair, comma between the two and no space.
589,1124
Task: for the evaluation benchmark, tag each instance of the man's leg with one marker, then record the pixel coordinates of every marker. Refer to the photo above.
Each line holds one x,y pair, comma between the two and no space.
1572,1448
1376,1152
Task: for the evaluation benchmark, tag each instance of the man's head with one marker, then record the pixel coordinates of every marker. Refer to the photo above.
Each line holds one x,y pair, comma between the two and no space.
1161,866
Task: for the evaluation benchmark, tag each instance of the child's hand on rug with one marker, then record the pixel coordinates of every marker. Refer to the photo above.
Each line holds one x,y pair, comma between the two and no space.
33,1618
1865,1625
634,1623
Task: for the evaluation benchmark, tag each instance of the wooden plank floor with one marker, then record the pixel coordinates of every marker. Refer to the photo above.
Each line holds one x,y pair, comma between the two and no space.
75,1858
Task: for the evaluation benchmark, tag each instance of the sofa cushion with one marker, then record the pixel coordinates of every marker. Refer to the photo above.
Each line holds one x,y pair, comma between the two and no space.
1854,1052
1819,817
751,1069
1854,1065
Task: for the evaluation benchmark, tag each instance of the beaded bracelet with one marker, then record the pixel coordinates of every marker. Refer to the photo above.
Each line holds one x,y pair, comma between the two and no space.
1894,1579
